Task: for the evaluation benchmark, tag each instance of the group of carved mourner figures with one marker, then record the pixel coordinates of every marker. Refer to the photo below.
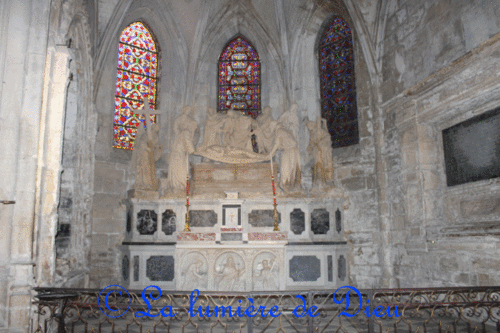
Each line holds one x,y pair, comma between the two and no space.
228,138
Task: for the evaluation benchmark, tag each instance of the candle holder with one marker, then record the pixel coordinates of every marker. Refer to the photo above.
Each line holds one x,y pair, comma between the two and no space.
187,227
276,226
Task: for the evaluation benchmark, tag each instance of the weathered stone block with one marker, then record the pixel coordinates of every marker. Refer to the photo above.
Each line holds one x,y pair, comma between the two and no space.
462,278
448,264
480,206
99,243
484,280
107,206
107,226
107,179
354,183
486,263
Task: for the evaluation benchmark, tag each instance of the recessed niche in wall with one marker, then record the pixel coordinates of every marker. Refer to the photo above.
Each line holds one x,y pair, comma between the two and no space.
472,149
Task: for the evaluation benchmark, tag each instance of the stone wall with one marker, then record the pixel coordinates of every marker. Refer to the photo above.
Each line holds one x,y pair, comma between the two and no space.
443,236
423,36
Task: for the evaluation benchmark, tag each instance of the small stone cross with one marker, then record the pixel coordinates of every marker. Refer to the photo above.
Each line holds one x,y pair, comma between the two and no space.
232,216
147,112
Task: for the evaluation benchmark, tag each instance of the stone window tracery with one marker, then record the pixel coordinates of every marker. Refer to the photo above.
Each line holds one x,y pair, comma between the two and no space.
136,78
338,83
239,77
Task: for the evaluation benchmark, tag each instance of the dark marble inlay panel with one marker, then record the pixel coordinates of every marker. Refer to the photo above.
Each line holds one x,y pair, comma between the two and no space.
262,218
342,267
297,221
168,222
147,221
304,268
160,268
338,221
129,219
233,236
125,268
136,268
472,149
330,268
202,218
320,221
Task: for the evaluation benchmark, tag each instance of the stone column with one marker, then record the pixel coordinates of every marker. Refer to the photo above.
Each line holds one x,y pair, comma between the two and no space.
24,29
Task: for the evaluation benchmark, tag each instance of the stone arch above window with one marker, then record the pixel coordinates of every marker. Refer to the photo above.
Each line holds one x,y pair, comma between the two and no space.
136,78
239,77
338,82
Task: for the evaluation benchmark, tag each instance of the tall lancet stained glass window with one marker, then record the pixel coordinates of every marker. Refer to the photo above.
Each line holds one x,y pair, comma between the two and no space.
239,77
338,83
136,79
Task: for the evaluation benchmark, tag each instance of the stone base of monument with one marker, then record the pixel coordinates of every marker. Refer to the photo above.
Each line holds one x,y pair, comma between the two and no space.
248,179
232,245
143,194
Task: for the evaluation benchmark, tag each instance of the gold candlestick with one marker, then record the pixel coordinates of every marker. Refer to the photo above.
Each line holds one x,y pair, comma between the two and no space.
276,226
187,227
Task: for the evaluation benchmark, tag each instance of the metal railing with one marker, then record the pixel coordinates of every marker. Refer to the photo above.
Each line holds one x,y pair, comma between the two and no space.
468,309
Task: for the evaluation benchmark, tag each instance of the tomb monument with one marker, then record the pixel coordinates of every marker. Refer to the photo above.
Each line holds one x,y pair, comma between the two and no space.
241,219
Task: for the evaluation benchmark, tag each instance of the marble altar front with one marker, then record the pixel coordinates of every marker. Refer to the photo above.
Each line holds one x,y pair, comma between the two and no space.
232,245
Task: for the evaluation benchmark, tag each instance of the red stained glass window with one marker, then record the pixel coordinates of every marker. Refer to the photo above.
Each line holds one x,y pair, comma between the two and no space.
136,79
338,83
239,78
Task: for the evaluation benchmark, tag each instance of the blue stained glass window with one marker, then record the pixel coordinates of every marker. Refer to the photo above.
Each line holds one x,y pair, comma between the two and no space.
239,78
338,83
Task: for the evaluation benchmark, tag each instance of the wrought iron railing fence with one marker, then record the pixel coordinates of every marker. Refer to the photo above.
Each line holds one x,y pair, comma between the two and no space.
471,309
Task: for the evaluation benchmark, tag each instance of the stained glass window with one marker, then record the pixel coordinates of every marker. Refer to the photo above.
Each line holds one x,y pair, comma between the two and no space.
239,77
338,84
136,79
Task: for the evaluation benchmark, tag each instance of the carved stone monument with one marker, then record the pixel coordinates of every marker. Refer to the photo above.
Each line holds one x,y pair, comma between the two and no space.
185,133
147,150
232,245
320,147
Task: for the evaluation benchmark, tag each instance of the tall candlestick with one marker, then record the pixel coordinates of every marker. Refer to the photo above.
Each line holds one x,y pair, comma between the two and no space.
272,169
187,227
276,227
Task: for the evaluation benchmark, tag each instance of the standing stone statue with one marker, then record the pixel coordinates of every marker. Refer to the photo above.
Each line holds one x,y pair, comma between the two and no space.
147,150
290,119
185,137
213,129
265,128
320,146
237,131
290,158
